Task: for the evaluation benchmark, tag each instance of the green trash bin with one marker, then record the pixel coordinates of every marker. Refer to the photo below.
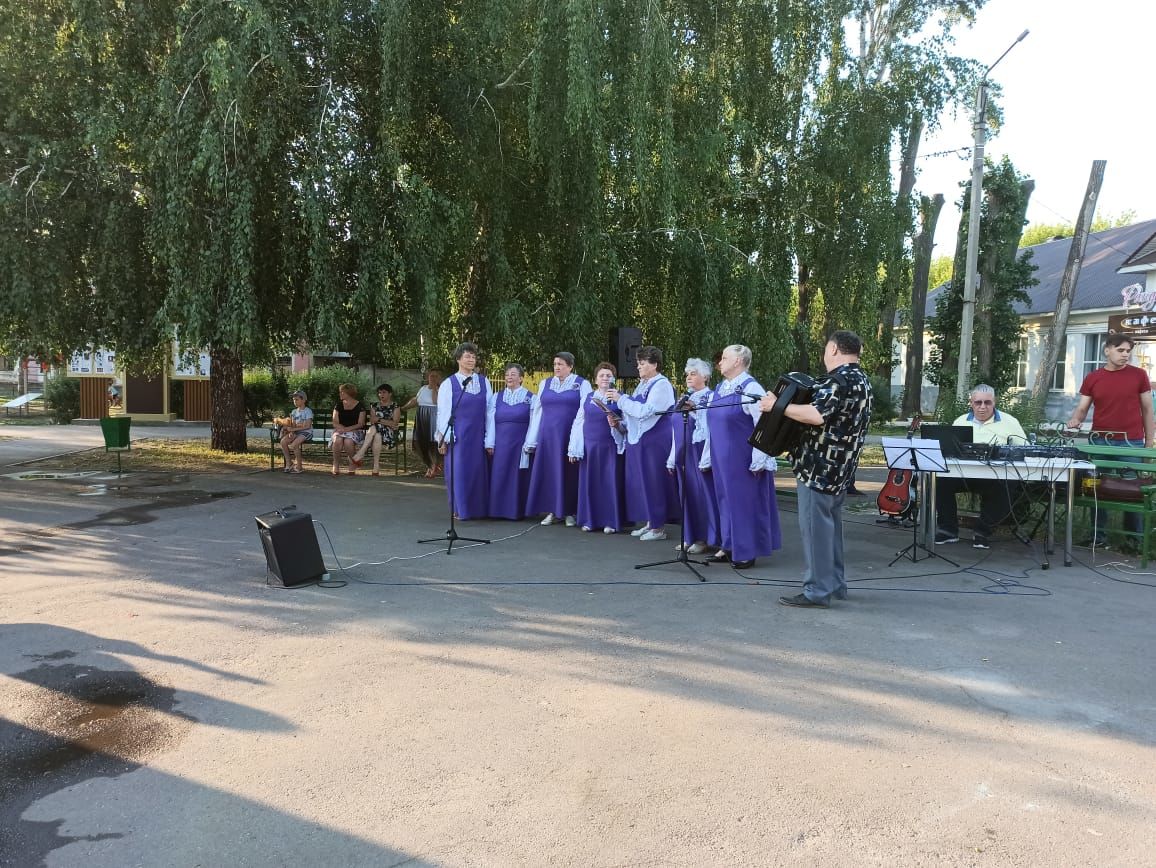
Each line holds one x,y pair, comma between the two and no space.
115,430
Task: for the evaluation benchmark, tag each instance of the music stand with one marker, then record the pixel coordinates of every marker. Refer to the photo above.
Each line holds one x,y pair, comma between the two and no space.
919,456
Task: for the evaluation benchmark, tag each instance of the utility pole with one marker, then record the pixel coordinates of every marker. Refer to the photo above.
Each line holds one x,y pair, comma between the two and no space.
967,323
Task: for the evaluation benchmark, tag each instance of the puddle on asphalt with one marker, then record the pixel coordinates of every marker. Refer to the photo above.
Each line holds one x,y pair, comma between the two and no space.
33,475
82,723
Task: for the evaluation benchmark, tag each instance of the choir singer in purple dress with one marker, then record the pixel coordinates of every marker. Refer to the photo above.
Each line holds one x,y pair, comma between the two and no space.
743,476
648,436
507,421
462,400
700,522
553,479
597,449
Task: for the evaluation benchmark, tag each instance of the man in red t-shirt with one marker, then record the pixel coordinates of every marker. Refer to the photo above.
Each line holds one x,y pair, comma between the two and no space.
1121,396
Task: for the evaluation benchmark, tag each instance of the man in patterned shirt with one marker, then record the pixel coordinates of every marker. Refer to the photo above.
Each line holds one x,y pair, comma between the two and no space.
824,462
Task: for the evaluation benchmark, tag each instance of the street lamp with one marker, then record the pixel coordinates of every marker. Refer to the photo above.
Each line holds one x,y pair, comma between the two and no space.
967,324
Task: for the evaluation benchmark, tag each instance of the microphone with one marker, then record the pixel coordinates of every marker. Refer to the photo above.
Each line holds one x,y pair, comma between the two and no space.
467,380
684,401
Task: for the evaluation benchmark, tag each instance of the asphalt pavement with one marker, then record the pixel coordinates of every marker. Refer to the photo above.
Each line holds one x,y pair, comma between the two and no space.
537,700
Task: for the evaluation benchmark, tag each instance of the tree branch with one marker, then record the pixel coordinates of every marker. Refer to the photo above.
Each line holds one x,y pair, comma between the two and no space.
510,78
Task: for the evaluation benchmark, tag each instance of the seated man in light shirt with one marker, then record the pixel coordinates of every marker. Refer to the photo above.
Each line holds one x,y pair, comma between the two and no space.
995,495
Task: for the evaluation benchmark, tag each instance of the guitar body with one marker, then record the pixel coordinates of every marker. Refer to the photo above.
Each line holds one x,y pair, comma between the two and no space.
897,496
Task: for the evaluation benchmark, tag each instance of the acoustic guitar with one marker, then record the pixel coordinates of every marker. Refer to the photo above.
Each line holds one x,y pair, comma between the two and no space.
897,496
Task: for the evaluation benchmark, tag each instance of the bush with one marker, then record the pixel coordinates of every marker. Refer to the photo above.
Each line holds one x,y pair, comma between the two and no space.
320,386
62,395
266,396
882,402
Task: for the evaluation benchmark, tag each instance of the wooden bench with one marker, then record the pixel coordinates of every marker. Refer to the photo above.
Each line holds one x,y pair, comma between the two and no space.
1125,482
21,403
319,446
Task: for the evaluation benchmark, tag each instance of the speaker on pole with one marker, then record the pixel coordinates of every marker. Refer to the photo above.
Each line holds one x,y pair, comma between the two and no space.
290,543
624,344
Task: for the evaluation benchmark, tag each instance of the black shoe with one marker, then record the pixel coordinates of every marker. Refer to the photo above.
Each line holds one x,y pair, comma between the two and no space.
840,595
801,601
743,565
853,491
981,542
943,536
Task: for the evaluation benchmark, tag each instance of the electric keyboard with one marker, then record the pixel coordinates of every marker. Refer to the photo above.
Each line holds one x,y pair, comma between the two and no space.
1017,452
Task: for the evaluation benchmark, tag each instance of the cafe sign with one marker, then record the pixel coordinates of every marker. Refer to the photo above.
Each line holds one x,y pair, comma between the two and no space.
1134,325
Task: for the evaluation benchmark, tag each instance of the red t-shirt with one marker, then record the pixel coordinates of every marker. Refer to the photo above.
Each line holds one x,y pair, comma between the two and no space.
1116,400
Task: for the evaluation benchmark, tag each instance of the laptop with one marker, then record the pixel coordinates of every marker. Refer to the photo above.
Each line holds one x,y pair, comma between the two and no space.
949,436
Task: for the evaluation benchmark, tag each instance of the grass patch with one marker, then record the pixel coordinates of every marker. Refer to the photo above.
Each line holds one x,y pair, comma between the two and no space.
195,455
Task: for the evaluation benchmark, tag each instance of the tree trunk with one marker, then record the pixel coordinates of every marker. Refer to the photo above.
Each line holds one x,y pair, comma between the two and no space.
924,244
949,354
802,328
228,400
1058,333
993,260
896,271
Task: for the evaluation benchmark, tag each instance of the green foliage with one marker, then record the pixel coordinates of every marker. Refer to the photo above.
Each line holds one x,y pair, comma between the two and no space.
882,401
62,395
320,385
265,396
391,177
940,272
1039,233
1020,406
1010,275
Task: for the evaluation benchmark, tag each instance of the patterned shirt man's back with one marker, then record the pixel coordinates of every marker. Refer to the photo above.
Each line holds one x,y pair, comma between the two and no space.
828,454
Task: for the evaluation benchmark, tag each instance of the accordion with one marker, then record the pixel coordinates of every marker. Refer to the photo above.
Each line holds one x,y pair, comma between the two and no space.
775,433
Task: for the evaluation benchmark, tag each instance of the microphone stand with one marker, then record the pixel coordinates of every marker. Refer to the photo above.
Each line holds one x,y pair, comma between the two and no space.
684,407
451,536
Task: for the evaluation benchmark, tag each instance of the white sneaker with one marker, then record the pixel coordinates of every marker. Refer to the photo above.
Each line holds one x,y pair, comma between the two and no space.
586,528
548,520
639,531
652,535
608,530
571,521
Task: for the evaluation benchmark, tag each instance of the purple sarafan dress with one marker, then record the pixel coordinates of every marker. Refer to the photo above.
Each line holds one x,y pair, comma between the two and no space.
700,523
466,461
553,479
748,512
601,470
649,487
508,481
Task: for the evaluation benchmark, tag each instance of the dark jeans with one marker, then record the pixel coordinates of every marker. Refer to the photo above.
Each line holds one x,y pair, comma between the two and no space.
994,503
1132,520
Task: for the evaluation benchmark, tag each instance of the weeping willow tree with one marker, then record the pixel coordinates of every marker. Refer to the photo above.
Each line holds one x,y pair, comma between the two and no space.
391,177
76,269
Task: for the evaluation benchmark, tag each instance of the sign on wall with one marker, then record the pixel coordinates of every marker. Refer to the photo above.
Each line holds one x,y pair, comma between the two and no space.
93,363
1135,325
187,364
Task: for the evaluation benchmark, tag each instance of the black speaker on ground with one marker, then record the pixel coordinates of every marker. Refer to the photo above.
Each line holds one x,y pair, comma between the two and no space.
290,543
624,344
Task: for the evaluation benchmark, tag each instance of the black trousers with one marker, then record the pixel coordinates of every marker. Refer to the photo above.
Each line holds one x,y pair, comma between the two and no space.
995,502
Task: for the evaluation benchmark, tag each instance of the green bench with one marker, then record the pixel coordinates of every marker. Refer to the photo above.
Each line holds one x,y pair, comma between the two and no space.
318,447
1124,483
